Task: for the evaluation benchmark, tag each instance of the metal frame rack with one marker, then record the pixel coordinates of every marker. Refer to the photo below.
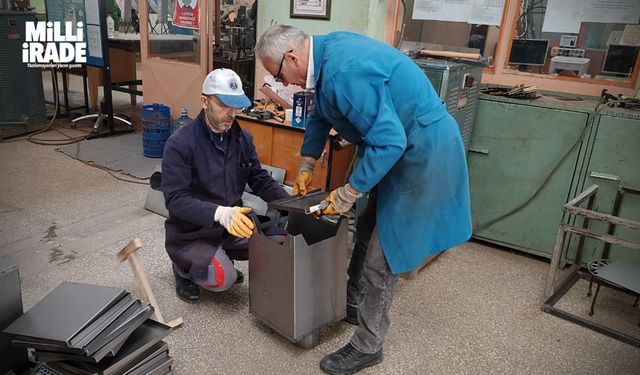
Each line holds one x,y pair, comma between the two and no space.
556,290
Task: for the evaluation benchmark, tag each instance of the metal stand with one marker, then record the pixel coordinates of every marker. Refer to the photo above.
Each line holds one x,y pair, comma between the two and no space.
555,291
164,29
64,103
106,106
102,116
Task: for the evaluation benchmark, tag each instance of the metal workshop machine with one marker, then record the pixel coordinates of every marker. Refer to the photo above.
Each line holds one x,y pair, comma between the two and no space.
298,287
458,86
22,108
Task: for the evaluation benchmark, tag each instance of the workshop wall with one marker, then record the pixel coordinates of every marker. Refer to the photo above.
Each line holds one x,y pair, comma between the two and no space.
364,17
345,15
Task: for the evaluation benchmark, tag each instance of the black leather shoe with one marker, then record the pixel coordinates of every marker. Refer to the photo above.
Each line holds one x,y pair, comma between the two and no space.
352,315
349,360
186,289
240,277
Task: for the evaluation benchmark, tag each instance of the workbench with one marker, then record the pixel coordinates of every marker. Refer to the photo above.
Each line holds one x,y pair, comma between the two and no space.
123,52
278,144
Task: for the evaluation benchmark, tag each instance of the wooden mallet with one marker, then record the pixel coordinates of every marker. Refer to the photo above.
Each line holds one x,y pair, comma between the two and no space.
129,253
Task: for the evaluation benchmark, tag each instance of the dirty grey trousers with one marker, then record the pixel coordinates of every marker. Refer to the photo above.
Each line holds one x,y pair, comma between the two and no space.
371,284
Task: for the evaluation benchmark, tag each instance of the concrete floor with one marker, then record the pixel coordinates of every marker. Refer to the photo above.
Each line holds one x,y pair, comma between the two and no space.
475,309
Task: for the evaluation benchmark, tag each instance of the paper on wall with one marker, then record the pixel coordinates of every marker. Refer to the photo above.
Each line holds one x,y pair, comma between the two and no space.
427,9
611,11
563,16
442,10
631,35
91,12
94,41
486,12
456,10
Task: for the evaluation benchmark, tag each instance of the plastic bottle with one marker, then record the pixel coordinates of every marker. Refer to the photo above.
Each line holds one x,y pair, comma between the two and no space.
180,122
111,26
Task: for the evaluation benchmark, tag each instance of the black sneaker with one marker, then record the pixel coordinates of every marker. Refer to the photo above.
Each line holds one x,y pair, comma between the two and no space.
349,360
186,289
240,277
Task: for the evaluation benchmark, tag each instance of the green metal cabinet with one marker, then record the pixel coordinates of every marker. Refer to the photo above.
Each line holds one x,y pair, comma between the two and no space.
514,147
612,158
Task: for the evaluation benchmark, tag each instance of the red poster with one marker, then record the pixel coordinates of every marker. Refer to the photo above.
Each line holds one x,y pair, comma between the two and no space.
186,14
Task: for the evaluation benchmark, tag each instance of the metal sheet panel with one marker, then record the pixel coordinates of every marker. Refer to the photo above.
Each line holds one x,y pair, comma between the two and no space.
320,279
10,310
120,335
94,329
613,160
64,312
514,147
298,203
299,286
143,343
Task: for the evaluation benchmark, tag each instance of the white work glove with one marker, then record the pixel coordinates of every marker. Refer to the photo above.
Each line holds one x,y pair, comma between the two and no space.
235,220
304,177
340,200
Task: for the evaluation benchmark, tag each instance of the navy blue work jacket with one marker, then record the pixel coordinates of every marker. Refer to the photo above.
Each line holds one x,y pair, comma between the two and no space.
198,175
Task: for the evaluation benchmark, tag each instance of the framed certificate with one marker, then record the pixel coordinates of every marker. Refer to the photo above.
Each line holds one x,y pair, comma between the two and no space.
315,9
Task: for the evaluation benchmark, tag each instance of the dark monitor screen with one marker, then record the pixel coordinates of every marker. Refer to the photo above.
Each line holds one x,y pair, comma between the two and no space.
528,52
620,59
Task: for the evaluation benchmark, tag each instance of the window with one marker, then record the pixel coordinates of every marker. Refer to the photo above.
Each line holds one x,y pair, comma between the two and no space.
482,38
591,40
173,30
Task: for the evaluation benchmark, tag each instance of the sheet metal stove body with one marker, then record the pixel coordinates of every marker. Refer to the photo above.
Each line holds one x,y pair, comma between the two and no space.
299,287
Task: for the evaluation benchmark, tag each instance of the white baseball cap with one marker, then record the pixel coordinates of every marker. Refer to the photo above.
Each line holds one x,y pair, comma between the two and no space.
226,85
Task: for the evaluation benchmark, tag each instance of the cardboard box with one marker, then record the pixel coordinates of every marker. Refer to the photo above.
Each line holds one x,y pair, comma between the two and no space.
302,107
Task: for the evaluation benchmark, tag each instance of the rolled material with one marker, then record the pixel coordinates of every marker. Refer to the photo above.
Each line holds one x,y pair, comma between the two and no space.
461,55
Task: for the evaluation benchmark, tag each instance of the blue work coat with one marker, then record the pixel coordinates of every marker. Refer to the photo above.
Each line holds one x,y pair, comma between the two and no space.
198,175
412,150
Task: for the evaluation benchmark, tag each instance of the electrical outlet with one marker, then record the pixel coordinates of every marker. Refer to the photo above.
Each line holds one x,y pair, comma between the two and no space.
571,52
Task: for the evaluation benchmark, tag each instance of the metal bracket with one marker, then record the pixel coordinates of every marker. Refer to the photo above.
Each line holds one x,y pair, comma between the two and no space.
605,176
482,151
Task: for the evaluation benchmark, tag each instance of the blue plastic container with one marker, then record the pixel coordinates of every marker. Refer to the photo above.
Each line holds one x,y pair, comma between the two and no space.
156,129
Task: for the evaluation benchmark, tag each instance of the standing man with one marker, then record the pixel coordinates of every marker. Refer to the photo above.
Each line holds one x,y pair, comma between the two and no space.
205,168
412,165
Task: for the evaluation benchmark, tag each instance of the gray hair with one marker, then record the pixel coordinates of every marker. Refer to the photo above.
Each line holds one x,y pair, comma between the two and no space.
278,40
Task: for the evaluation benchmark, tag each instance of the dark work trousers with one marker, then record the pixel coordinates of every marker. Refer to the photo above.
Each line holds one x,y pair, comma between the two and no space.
221,273
371,284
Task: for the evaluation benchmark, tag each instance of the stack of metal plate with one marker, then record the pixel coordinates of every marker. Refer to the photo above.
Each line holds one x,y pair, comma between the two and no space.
89,329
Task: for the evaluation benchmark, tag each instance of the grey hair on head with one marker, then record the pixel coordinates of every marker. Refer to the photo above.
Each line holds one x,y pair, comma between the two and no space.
278,40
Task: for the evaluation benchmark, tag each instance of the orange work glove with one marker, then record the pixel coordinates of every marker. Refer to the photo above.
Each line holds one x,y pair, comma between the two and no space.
304,177
302,183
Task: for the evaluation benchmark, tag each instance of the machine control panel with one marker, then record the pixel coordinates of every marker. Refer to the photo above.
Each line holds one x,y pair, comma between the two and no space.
571,52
